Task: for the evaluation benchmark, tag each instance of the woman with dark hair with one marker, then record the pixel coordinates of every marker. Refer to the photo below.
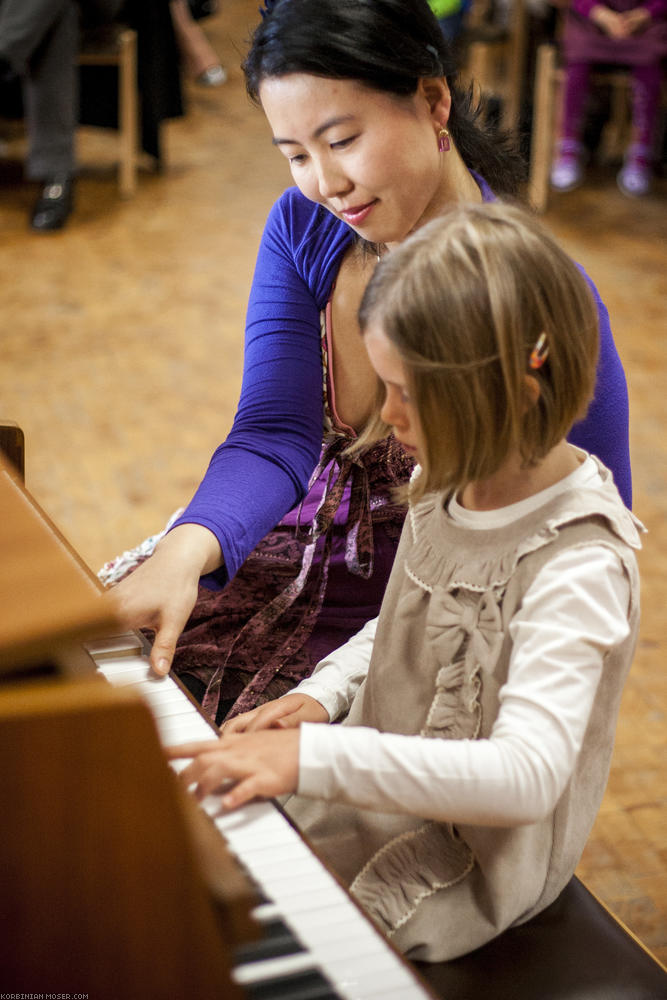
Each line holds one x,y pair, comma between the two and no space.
293,531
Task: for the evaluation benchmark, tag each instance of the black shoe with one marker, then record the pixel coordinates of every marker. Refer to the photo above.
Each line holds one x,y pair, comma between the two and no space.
54,204
7,74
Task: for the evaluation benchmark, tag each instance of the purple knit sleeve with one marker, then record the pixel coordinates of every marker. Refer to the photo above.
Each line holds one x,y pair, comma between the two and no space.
604,431
584,7
656,8
262,469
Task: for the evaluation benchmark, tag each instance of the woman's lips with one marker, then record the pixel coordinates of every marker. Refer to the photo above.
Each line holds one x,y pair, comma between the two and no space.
358,213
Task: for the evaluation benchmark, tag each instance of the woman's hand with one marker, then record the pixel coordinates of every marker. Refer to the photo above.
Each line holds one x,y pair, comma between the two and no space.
287,712
161,593
261,764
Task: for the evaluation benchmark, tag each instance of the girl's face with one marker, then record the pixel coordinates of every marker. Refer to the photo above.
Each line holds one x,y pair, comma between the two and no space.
398,410
370,158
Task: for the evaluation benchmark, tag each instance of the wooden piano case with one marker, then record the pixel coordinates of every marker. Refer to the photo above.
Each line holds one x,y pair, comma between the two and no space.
110,883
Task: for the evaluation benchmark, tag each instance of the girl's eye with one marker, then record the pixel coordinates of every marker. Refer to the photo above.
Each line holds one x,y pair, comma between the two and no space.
297,159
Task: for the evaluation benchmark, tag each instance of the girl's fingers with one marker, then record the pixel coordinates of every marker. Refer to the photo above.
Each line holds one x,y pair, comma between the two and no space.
184,750
242,792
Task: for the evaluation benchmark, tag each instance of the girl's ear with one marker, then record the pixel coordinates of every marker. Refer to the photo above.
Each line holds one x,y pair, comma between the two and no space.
435,91
532,392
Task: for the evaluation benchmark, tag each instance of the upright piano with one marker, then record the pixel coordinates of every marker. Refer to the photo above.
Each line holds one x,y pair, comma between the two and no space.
114,885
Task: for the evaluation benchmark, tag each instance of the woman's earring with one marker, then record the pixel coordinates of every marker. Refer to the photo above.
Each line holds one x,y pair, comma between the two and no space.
443,140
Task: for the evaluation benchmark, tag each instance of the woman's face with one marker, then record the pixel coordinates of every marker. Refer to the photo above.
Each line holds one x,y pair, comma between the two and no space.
370,158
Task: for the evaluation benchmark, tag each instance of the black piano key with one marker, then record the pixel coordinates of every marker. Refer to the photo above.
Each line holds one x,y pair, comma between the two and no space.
277,940
299,986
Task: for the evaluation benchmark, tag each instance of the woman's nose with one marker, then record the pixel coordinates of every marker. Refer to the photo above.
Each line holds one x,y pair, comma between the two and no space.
331,181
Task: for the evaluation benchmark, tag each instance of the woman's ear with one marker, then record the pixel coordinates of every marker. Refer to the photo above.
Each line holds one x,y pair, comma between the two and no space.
435,91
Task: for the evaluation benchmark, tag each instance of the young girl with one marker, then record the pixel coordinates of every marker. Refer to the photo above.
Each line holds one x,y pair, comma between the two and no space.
478,711
621,32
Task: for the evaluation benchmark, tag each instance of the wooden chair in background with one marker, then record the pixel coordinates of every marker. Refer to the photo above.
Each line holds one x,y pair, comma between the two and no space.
113,47
546,107
116,45
496,57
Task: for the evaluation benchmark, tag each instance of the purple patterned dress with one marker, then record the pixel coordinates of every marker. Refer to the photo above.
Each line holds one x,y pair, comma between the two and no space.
309,585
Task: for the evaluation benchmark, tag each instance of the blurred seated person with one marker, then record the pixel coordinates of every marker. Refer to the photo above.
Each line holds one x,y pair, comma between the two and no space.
198,56
39,42
451,15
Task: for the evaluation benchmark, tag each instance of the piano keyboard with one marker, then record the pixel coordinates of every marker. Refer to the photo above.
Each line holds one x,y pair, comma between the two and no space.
318,944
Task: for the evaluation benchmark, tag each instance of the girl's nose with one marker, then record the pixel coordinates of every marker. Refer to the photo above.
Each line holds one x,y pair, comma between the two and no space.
391,411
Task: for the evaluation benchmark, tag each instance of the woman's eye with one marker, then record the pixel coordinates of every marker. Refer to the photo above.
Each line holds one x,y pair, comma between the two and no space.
297,159
342,143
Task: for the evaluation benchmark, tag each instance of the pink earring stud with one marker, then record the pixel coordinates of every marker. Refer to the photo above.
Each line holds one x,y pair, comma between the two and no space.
443,140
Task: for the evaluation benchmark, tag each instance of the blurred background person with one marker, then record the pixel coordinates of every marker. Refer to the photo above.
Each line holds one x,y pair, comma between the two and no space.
39,42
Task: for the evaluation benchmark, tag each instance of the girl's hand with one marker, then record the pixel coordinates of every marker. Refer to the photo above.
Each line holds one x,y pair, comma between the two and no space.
611,22
161,593
287,712
260,764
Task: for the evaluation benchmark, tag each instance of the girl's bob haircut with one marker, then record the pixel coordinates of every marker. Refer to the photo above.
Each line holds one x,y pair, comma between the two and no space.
464,301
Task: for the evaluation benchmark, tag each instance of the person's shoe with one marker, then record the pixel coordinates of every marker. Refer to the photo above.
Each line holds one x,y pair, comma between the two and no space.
567,171
53,207
7,74
214,76
634,177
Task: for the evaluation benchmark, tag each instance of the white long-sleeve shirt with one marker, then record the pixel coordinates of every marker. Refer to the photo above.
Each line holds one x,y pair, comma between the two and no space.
572,614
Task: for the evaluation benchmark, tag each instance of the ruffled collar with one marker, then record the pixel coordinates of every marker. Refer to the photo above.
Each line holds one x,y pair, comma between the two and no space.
479,559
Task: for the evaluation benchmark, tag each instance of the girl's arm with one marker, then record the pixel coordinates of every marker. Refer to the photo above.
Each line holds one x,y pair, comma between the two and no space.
575,611
337,678
260,750
323,697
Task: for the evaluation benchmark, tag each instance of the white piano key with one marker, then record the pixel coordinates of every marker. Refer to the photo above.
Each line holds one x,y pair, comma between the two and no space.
182,729
279,855
127,644
264,913
133,675
272,968
160,694
169,707
115,666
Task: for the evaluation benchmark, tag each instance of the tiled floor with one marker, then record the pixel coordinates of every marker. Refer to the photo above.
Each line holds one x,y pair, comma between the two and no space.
121,358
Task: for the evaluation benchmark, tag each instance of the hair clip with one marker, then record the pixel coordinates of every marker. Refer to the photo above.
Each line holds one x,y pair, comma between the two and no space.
539,353
431,49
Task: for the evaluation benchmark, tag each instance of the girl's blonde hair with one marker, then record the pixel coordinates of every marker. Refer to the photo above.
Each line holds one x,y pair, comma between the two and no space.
464,300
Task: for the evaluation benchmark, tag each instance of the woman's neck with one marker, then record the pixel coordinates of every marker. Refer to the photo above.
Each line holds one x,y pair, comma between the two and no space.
456,185
513,482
